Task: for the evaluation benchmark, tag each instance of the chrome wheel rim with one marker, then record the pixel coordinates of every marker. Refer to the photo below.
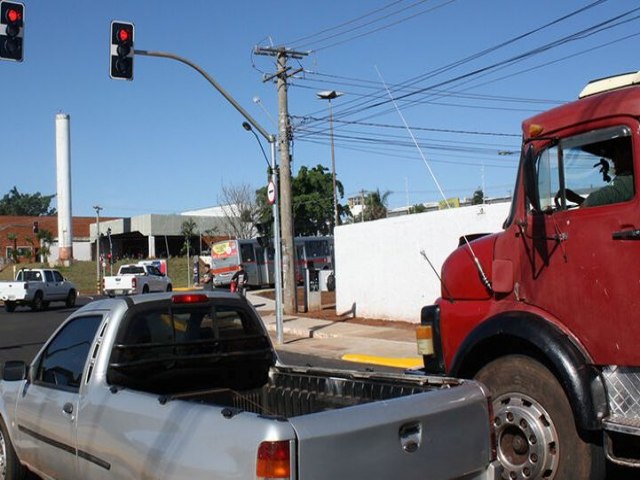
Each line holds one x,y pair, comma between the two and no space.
3,457
528,445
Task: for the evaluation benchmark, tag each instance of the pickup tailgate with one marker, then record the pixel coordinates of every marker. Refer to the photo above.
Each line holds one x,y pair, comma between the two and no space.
13,290
440,434
118,282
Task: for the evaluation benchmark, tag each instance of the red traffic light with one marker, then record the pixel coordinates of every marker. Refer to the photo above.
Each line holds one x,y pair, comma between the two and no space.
122,52
14,15
124,35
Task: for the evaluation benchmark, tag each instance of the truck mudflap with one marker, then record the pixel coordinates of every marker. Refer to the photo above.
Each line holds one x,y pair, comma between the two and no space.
408,437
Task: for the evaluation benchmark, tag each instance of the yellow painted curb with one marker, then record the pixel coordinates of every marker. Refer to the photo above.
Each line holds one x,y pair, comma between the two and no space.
384,361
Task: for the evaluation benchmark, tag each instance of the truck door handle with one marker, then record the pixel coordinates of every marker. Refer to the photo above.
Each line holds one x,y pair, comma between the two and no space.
410,436
67,408
626,235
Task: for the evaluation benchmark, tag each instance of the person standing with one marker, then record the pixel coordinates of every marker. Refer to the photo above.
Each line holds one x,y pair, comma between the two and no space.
240,279
207,278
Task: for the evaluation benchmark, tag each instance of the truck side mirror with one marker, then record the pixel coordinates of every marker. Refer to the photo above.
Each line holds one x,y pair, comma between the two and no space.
14,371
530,179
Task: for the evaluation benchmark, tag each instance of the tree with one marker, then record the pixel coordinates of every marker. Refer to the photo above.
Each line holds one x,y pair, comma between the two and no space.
14,251
312,191
24,204
375,205
417,208
45,238
478,197
241,210
188,230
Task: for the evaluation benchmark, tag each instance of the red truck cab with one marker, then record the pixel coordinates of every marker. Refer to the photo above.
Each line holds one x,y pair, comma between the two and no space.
545,312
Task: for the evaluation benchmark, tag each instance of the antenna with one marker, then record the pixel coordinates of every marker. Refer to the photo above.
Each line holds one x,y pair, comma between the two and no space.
483,276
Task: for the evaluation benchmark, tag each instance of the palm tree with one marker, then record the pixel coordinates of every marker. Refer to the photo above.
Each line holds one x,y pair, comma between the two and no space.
376,205
14,253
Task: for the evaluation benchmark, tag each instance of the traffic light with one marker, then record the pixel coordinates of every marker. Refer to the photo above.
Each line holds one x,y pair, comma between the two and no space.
11,30
122,34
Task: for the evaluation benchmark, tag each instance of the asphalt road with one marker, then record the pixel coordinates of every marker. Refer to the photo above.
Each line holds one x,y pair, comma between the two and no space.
23,332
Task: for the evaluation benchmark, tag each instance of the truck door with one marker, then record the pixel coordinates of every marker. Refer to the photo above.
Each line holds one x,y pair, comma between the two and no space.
46,412
581,251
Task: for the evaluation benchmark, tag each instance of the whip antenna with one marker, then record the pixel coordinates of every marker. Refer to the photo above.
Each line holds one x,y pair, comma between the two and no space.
483,276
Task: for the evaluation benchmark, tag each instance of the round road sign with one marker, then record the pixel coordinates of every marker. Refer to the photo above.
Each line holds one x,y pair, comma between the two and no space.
271,193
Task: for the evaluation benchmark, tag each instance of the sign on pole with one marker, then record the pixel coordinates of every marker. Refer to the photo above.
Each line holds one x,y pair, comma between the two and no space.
271,193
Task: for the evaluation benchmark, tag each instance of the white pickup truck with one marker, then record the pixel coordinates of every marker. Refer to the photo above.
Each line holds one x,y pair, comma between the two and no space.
132,279
178,386
36,288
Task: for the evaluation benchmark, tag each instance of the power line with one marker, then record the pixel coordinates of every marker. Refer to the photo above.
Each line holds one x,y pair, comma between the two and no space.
401,127
344,24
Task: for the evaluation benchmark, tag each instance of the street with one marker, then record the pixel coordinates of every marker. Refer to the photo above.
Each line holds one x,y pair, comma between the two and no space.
23,332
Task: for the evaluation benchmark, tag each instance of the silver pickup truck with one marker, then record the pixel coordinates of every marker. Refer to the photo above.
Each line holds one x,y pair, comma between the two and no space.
188,386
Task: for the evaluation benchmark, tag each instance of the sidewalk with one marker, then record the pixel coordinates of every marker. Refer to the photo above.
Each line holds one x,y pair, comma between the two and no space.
376,345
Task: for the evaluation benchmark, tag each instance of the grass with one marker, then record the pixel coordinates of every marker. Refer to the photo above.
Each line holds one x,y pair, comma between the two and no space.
83,274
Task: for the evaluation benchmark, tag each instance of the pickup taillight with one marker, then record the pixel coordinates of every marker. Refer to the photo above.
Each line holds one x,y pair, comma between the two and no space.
274,460
134,283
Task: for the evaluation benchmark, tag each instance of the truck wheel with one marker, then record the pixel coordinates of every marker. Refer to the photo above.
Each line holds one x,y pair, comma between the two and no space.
10,466
169,288
145,289
10,306
331,282
71,299
36,303
536,433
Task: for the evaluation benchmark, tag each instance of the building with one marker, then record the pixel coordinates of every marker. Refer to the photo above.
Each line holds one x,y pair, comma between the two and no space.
20,234
143,236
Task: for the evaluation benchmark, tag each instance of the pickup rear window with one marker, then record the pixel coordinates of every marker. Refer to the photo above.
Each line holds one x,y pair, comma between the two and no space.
131,271
29,276
190,348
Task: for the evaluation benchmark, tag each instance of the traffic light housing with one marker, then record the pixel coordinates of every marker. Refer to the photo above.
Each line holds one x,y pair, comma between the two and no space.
11,30
122,37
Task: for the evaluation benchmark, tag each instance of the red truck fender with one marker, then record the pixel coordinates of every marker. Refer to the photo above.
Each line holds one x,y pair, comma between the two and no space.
524,333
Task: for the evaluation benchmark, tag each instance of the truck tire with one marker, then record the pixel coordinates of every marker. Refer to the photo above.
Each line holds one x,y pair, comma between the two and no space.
37,303
331,282
536,433
169,288
145,289
10,306
70,302
10,466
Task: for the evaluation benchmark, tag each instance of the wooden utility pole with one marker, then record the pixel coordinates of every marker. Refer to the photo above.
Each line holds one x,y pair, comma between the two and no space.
283,73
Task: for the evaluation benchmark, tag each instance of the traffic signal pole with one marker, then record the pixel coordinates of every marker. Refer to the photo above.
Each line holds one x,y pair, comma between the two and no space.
274,172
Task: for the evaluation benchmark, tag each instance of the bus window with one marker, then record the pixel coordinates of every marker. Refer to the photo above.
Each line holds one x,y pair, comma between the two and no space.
247,253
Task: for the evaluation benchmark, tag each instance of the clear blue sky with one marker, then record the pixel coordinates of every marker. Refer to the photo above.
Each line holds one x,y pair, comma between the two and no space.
167,141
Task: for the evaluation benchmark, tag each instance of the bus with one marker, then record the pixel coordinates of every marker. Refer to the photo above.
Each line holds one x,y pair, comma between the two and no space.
227,255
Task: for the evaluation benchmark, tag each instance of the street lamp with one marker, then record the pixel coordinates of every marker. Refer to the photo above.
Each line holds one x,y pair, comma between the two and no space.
258,102
330,95
277,270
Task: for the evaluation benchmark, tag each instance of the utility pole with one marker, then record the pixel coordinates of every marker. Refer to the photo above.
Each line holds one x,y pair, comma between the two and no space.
97,209
283,73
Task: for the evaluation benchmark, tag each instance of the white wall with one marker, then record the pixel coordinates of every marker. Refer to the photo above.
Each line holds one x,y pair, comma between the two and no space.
379,267
81,251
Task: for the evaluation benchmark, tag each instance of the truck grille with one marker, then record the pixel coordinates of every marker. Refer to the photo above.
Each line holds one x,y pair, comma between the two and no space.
623,391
